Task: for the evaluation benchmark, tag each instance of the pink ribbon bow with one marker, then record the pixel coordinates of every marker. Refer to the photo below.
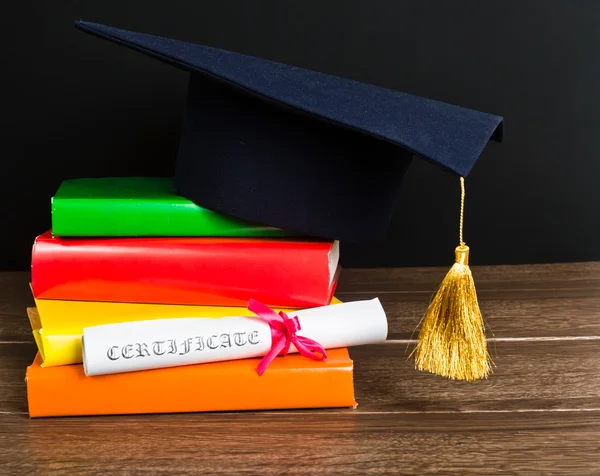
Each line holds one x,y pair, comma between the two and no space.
283,334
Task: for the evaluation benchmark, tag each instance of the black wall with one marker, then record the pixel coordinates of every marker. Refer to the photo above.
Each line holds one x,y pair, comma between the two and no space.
77,106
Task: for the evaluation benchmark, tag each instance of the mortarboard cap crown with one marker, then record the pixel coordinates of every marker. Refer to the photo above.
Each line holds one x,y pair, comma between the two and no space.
301,150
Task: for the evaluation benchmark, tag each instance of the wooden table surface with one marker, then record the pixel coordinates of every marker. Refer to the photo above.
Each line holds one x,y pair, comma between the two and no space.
539,413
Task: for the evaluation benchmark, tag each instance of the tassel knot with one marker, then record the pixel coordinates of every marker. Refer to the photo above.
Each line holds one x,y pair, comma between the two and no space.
461,254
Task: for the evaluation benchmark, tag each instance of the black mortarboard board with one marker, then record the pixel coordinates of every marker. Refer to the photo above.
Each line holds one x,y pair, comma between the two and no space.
302,150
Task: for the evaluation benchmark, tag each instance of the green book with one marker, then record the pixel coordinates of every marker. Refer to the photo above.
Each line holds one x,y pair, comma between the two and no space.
140,206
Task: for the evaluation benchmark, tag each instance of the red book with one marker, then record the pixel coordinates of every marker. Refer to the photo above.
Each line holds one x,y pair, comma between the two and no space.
198,271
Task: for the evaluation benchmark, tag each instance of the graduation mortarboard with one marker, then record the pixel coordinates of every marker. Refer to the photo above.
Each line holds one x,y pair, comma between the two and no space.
324,156
301,150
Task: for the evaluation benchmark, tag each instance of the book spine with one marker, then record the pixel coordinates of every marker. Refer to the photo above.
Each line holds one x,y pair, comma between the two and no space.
126,217
198,271
61,349
292,384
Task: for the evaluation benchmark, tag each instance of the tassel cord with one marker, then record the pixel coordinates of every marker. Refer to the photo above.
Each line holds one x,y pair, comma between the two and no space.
462,211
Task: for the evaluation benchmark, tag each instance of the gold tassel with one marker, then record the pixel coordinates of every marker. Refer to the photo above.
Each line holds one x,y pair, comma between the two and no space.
452,340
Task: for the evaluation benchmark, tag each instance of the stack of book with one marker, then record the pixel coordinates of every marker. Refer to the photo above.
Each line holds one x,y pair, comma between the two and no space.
130,249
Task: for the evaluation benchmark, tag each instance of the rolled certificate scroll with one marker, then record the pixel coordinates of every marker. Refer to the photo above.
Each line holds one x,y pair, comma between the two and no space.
143,345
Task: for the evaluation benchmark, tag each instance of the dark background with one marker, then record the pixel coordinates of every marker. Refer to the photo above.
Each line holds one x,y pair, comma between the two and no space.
77,106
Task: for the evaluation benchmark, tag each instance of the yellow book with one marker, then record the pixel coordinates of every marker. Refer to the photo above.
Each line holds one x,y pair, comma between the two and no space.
58,325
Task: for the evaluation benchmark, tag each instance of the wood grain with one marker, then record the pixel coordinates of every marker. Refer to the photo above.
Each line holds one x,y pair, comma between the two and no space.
14,358
536,277
505,318
15,296
538,375
539,413
304,443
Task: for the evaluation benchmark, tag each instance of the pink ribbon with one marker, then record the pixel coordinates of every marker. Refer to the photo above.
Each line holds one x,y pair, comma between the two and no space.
283,334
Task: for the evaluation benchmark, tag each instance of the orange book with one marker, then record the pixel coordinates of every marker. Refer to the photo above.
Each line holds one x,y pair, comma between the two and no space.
292,381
